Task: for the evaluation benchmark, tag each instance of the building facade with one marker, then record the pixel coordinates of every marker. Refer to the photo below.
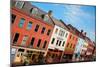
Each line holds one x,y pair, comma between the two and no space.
37,36
31,30
77,50
70,45
58,40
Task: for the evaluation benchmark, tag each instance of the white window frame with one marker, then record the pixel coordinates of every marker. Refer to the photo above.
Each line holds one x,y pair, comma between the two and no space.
21,4
36,11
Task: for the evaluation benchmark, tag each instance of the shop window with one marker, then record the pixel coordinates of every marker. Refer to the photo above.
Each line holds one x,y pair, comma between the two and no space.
53,55
21,23
20,4
13,18
43,29
39,42
16,38
36,28
53,39
29,25
20,50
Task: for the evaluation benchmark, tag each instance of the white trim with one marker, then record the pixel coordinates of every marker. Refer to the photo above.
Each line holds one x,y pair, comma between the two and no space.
21,4
28,48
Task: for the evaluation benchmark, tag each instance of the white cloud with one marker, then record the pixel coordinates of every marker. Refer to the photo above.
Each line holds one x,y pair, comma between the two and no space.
74,13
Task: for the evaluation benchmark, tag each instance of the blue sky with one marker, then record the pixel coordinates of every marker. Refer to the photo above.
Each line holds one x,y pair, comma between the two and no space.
81,17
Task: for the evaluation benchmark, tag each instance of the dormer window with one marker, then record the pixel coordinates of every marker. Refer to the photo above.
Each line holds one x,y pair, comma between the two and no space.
34,11
46,18
19,4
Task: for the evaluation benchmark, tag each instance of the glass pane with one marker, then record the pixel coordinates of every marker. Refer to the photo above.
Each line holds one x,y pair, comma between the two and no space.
21,22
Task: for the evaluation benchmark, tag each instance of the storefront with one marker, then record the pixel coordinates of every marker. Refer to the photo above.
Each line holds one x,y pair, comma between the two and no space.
55,55
67,58
26,56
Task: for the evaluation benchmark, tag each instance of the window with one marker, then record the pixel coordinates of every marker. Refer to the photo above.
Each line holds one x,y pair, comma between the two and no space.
68,45
70,36
16,38
32,41
20,50
34,11
46,18
66,34
13,18
76,39
29,25
61,33
48,33
73,37
45,42
13,52
25,38
74,46
71,46
36,28
56,30
57,42
22,20
53,55
53,39
19,4
60,43
43,29
39,42
63,43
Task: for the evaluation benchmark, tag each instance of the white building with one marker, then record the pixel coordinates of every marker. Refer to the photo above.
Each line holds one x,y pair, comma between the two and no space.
59,36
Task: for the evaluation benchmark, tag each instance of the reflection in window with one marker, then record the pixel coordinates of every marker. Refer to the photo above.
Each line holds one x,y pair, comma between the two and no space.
29,25
21,22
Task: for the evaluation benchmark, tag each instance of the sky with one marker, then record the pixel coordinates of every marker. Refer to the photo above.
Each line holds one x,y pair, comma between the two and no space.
80,16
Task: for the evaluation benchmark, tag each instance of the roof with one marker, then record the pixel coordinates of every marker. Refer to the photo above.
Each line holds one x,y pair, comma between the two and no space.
28,6
58,22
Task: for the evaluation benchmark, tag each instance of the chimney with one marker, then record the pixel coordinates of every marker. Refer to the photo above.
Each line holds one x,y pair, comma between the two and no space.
50,12
84,33
81,31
